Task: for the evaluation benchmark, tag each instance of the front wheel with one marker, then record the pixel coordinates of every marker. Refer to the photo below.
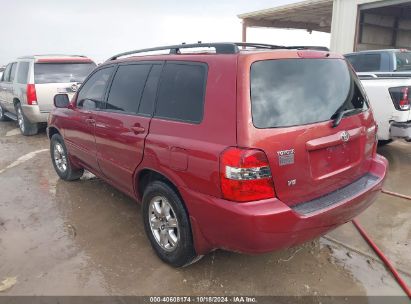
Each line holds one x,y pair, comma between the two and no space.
167,225
61,162
26,127
2,116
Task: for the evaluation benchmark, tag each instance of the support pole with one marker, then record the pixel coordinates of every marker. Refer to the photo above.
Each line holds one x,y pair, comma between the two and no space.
244,33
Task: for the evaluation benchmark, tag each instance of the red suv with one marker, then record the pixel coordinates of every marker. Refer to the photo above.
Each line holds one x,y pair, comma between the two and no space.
244,147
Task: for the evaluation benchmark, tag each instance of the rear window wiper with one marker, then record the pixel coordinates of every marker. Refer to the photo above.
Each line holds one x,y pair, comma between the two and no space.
341,113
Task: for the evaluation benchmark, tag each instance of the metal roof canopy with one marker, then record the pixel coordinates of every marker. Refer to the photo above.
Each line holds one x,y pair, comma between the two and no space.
311,15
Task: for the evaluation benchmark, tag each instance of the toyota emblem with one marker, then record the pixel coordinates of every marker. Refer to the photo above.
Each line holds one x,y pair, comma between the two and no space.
345,136
74,87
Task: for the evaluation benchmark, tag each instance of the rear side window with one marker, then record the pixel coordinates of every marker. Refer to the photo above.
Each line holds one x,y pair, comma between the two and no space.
62,72
22,72
127,88
150,91
294,92
403,60
365,62
13,72
92,92
181,92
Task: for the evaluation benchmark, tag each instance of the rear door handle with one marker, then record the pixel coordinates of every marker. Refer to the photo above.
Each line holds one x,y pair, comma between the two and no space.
138,130
90,121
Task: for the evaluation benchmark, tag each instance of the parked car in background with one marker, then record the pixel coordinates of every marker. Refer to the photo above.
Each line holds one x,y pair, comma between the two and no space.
247,150
386,77
1,71
28,85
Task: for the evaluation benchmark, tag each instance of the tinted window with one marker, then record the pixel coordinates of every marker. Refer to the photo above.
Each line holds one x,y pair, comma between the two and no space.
301,91
6,73
403,61
61,72
181,93
13,72
150,91
92,92
22,72
365,62
128,84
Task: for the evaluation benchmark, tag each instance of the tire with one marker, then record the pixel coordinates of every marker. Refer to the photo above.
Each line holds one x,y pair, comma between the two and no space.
384,142
168,225
2,116
61,161
26,127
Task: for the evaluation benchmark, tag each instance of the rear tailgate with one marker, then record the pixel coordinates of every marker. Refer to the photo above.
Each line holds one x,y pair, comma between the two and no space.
53,76
290,103
45,93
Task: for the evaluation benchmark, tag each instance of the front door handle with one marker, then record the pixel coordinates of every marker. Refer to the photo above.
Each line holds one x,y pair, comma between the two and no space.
90,121
138,130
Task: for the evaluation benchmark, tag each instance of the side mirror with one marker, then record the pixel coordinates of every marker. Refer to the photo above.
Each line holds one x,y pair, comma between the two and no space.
61,101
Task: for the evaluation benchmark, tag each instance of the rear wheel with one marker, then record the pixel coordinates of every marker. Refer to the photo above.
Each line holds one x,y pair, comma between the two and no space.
167,225
26,127
61,162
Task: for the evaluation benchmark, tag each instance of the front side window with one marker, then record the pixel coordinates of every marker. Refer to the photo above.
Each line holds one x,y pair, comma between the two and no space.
6,73
22,72
127,88
181,92
92,92
292,92
62,72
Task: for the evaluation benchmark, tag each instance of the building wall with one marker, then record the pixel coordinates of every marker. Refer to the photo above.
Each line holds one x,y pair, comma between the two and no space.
344,23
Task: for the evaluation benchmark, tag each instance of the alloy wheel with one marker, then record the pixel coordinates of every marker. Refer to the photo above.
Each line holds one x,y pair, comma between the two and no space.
20,119
163,223
60,158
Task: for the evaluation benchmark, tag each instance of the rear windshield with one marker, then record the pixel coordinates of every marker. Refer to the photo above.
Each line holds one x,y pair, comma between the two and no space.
292,92
403,61
61,72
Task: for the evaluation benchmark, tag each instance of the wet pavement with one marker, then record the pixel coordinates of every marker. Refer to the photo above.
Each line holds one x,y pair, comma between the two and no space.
87,238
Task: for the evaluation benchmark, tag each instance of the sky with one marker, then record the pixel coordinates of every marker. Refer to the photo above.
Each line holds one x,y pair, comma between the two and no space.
102,28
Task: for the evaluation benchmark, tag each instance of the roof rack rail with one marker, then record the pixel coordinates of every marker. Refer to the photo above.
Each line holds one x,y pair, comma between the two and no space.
220,48
273,46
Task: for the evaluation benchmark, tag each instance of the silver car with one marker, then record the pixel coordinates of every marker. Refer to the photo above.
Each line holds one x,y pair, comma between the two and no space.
28,86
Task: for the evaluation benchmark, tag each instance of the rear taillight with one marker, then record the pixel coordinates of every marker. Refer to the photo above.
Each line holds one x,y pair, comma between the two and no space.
401,98
245,175
31,94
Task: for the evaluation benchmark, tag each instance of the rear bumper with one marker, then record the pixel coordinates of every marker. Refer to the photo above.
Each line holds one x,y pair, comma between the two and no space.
33,113
401,130
268,225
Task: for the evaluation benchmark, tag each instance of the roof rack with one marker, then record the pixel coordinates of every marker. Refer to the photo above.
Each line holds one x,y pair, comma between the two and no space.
220,48
50,55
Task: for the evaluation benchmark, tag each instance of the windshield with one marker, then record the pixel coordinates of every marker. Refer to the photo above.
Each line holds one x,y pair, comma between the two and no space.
403,61
293,92
61,72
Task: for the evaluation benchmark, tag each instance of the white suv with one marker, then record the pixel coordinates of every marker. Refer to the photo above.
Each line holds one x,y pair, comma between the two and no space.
28,86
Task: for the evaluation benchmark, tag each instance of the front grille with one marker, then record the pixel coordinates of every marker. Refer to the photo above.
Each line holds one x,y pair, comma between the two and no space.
365,182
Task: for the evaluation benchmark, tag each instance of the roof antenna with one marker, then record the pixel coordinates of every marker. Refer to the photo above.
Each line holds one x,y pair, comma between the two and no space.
198,41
